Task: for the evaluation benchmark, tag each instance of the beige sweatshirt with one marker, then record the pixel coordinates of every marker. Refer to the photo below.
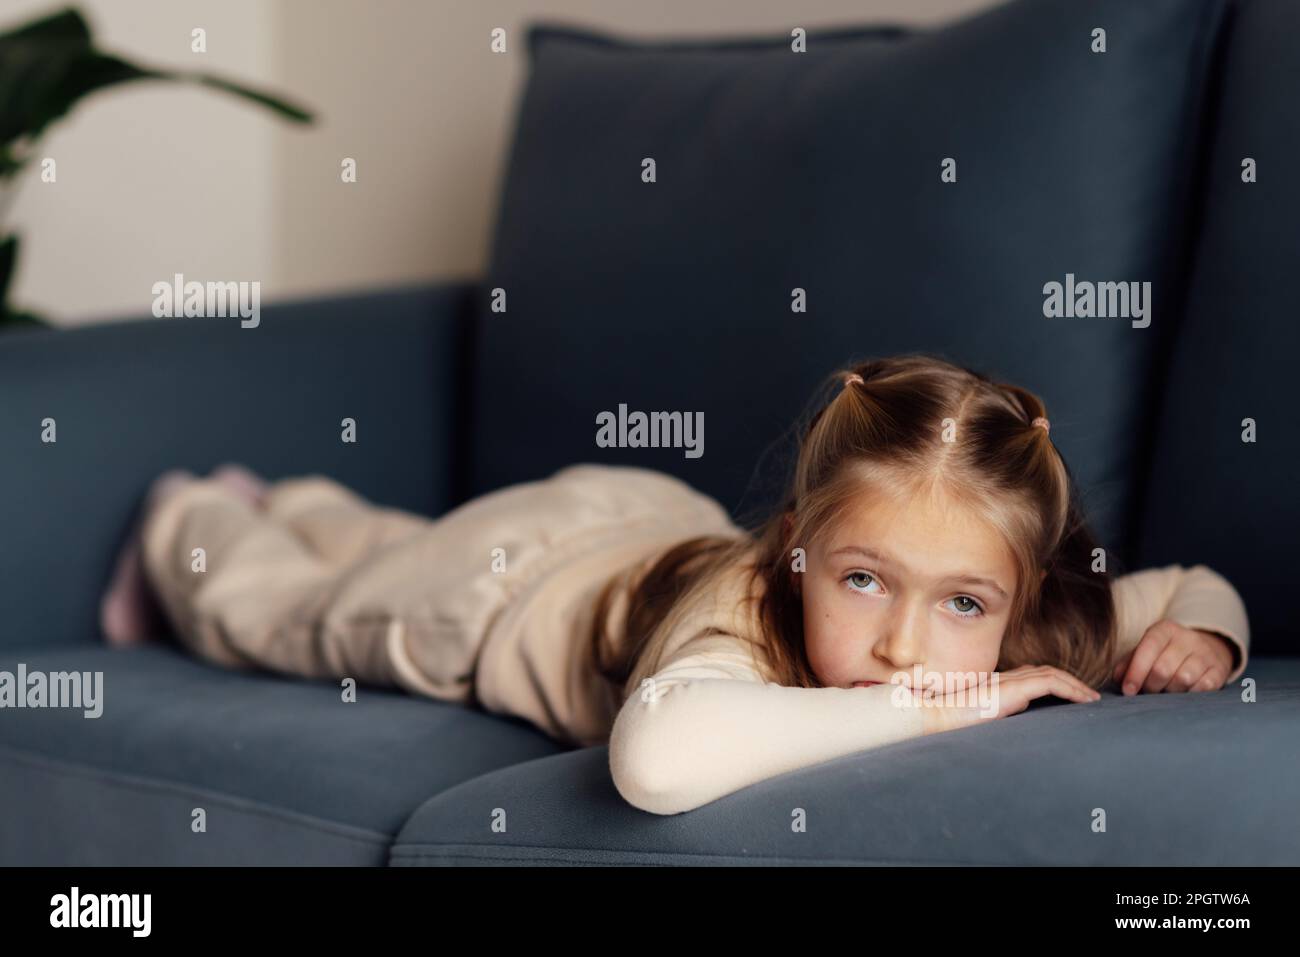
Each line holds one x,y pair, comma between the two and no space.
710,723
323,584
713,721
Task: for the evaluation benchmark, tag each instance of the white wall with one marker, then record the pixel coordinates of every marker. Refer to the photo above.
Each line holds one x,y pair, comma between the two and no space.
152,178
157,179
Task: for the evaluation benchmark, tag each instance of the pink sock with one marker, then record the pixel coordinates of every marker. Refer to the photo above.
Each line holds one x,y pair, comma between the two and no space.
244,482
128,612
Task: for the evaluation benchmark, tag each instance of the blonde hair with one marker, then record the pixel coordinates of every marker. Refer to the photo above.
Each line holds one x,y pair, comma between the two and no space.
885,435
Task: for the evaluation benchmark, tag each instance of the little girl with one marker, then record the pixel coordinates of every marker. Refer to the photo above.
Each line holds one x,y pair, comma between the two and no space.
931,541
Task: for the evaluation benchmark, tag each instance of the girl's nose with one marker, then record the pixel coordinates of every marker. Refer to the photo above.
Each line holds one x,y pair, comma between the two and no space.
902,639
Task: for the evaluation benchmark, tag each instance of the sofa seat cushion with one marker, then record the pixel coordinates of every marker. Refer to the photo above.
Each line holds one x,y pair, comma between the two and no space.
1183,779
286,772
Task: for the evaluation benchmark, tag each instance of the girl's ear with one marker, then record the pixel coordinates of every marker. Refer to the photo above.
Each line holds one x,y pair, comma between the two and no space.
1042,575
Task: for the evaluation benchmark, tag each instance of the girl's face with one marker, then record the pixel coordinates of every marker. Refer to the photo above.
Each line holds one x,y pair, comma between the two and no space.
895,586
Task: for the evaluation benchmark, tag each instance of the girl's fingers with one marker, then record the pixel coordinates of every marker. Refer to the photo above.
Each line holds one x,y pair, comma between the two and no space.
1068,686
1120,667
1148,650
1212,680
1048,680
1164,669
1188,673
1081,690
1065,686
1081,687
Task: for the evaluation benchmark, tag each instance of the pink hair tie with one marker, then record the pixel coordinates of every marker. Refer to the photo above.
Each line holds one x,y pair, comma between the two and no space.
853,377
1042,423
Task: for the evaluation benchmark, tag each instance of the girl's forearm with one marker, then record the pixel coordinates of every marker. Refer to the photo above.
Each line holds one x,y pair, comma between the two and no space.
703,739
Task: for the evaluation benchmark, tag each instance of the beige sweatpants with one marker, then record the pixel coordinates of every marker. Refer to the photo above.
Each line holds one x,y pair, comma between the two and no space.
489,604
268,587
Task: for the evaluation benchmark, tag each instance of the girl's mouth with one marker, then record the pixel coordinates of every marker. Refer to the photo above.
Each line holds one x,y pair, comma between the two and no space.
872,684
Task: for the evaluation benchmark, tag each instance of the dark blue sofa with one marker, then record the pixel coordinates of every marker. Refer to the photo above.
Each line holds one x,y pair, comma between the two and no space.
772,173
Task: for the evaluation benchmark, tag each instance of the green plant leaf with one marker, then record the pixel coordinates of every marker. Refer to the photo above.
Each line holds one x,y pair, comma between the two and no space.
284,108
48,65
11,320
64,25
20,321
8,259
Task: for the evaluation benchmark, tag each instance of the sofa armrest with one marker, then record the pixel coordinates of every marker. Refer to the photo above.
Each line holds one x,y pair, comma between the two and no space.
126,400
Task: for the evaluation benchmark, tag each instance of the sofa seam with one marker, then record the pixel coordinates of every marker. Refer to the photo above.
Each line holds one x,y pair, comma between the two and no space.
249,806
413,852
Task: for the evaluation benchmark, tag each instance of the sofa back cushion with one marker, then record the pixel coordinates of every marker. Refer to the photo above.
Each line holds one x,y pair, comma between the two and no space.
1213,496
126,400
822,171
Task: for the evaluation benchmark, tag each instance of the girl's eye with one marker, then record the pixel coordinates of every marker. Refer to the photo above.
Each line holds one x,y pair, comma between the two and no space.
972,611
966,607
851,576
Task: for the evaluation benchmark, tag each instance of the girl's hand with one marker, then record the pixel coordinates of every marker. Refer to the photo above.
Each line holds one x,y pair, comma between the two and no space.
1173,658
1015,689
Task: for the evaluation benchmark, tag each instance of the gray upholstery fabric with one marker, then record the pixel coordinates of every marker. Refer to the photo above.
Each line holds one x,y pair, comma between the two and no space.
822,171
1212,497
1066,163
132,399
286,771
1184,779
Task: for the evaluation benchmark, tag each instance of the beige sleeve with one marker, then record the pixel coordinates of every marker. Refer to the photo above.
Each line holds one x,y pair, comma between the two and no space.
1195,597
707,724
